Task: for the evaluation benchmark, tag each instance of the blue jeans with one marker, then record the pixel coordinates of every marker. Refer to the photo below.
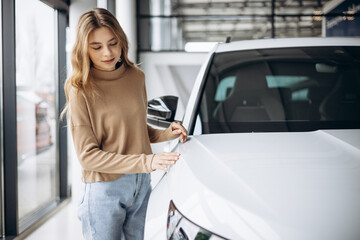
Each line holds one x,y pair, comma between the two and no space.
115,210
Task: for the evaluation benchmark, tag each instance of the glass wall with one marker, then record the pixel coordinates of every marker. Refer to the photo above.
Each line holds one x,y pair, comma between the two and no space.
36,94
33,152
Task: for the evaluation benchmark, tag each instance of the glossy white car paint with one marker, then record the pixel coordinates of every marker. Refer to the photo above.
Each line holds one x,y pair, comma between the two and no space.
296,186
286,43
290,186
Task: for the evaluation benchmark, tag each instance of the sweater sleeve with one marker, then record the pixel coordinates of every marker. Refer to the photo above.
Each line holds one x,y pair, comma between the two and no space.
158,135
88,150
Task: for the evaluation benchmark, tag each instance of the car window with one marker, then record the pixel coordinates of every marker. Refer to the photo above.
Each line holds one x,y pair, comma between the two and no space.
290,89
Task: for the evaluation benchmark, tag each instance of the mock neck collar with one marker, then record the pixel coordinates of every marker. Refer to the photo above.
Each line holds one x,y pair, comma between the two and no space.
107,75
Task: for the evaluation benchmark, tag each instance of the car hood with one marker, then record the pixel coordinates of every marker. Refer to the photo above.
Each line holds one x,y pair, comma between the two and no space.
271,185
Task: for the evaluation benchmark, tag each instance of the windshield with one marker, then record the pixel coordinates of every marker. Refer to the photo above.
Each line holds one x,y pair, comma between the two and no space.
285,89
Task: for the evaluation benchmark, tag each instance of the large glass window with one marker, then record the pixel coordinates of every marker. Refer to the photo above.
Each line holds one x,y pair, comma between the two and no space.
291,89
36,91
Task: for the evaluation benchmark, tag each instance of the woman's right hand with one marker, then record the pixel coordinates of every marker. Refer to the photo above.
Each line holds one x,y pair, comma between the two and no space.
164,158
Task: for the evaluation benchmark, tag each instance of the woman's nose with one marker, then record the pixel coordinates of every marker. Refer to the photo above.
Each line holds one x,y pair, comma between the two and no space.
107,51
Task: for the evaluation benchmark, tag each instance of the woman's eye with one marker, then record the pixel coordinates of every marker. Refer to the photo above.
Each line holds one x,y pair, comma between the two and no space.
97,48
113,44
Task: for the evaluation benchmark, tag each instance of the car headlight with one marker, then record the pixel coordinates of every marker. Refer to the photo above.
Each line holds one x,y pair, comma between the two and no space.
181,228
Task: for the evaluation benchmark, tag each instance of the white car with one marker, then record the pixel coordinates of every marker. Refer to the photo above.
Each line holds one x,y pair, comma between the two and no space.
273,149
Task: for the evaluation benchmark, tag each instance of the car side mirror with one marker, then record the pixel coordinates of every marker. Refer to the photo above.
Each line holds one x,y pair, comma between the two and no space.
162,110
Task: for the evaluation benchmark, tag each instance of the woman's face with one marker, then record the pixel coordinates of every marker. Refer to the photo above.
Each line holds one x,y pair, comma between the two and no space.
104,49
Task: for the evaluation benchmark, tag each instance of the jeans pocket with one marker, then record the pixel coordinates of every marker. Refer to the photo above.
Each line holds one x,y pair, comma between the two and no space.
82,194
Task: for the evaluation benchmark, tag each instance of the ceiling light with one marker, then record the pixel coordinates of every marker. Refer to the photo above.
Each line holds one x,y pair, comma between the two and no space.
199,46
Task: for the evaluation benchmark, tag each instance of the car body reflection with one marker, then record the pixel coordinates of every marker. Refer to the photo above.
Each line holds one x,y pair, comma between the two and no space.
33,125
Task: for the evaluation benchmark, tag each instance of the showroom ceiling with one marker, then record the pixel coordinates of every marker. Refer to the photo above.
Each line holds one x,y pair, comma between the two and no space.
213,20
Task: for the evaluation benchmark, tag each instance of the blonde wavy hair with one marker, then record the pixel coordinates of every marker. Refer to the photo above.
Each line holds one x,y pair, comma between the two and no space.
80,60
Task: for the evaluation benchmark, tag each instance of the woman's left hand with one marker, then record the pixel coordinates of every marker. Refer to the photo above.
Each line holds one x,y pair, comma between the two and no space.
178,129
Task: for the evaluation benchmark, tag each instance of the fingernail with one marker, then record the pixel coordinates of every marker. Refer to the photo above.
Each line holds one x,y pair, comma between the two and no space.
179,131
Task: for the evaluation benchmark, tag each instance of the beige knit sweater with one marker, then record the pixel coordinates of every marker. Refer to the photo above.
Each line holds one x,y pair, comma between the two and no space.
110,133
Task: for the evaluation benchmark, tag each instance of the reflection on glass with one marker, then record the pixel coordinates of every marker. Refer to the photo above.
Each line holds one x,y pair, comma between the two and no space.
36,117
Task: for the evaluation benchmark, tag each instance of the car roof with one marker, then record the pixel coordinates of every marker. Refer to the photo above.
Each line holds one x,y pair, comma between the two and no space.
286,43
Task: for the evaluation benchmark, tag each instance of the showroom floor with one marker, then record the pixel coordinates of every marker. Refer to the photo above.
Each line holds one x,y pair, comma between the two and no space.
63,225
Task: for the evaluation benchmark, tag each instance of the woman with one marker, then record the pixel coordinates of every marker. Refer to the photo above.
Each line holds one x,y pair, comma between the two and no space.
107,110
